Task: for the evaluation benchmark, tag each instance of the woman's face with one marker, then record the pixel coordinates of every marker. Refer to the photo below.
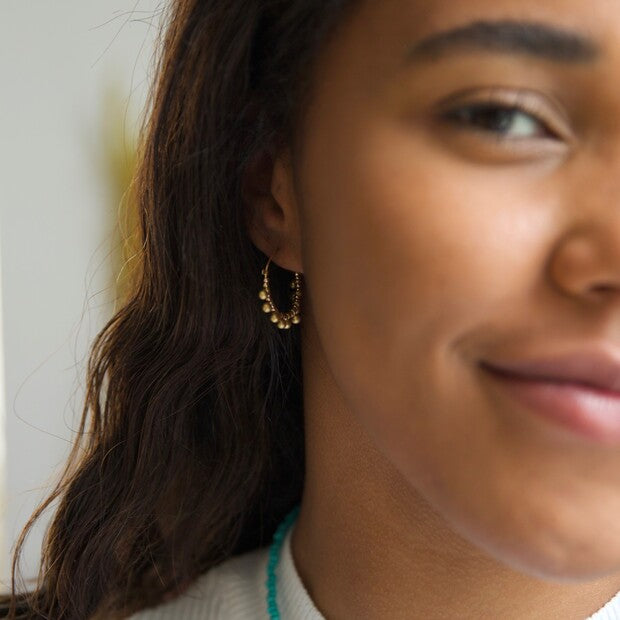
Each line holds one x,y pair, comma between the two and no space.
460,203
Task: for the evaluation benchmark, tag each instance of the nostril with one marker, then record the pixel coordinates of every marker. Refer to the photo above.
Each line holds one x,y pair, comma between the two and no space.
601,292
605,288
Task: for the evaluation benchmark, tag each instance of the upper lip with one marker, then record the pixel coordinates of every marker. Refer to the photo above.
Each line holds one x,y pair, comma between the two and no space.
594,366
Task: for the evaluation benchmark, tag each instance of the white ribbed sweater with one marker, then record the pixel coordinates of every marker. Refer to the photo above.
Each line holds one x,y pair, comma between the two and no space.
235,590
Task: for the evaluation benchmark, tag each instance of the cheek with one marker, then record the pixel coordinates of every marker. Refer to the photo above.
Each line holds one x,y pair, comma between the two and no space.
406,253
405,250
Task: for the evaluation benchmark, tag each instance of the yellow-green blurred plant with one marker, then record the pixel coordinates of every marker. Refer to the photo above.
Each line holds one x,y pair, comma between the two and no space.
119,148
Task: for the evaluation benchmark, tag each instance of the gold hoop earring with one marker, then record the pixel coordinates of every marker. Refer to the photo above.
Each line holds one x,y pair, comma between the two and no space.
284,320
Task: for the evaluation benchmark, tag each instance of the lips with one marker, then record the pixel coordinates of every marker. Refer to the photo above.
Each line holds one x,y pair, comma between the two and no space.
576,389
593,366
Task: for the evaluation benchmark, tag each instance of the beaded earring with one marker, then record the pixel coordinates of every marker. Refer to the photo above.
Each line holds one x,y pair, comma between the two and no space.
284,320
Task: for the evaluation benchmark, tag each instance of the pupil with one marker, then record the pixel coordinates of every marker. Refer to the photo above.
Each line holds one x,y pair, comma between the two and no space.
497,119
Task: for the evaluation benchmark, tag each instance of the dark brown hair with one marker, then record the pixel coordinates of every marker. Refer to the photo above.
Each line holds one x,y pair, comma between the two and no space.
191,443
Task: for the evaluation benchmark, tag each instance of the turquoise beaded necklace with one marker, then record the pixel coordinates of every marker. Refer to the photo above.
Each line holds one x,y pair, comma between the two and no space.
274,554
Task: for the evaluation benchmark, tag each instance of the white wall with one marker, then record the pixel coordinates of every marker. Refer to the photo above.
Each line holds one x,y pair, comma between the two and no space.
56,222
3,543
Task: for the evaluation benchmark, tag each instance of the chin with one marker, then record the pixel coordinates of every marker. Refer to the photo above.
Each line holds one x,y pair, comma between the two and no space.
562,559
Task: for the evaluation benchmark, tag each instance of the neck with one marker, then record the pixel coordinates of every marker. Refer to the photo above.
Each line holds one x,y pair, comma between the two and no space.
392,556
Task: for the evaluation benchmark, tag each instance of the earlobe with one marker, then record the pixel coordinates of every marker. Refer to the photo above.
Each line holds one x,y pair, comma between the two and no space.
260,209
281,183
270,209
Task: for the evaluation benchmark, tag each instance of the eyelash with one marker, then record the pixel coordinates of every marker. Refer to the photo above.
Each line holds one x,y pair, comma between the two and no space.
464,116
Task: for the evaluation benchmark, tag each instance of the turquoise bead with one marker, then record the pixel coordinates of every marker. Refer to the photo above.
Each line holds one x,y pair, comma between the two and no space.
274,555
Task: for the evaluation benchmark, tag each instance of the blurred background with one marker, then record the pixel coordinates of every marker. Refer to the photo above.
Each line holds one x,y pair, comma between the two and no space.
74,81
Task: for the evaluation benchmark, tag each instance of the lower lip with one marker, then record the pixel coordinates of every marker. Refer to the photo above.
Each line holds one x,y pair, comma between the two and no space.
591,413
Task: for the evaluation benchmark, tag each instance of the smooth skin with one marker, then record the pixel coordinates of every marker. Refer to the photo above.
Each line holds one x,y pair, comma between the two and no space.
431,238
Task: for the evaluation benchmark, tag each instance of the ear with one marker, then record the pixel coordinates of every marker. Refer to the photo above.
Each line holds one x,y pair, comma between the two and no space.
271,209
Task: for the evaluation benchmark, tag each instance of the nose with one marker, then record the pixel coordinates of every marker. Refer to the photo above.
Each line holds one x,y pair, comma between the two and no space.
586,262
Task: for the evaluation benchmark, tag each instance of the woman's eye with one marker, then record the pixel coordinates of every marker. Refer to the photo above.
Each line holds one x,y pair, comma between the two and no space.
504,121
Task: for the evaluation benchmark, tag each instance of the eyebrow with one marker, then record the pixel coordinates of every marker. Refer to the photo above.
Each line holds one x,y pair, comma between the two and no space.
508,36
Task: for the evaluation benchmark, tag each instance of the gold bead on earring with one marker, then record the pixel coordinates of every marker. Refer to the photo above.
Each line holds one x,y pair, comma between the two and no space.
284,320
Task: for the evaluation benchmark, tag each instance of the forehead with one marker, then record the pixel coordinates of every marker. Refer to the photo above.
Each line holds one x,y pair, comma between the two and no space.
418,16
382,32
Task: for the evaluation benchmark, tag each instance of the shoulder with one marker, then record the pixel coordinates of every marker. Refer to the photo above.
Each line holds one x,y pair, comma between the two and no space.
232,590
